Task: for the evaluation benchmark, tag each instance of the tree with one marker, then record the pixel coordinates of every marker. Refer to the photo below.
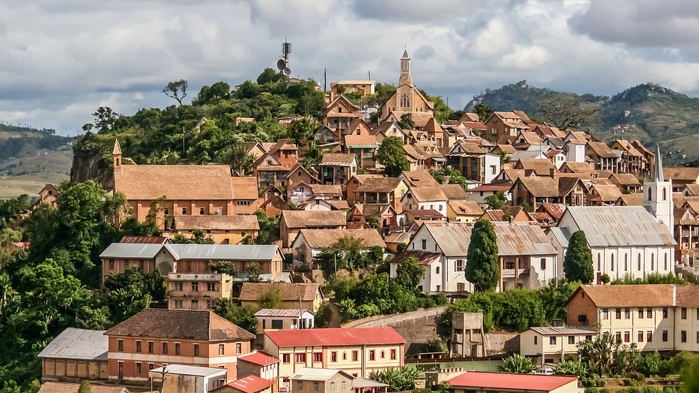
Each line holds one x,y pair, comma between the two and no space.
555,296
243,316
176,90
105,118
406,121
237,157
577,265
517,363
85,387
483,111
496,201
254,270
398,379
392,156
301,130
271,299
568,111
409,275
482,267
267,76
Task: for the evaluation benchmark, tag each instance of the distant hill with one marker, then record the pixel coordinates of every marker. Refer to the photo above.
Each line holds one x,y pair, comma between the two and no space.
647,112
30,158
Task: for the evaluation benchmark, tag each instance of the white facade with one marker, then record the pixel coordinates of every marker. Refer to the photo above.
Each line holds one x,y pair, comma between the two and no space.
491,167
657,196
410,203
575,152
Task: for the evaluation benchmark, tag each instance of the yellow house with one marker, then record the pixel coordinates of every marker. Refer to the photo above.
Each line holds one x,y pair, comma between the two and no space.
323,380
477,381
549,345
463,211
220,229
356,351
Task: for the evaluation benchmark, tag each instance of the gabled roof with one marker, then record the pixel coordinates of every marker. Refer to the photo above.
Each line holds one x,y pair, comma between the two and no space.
421,178
423,257
564,330
454,192
319,238
341,100
646,295
625,179
380,184
175,182
335,337
82,344
633,199
216,222
604,193
132,250
337,159
252,292
317,374
467,208
281,313
601,149
555,210
250,384
295,219
428,194
235,252
260,358
201,325
514,382
244,188
361,141
542,167
539,187
681,174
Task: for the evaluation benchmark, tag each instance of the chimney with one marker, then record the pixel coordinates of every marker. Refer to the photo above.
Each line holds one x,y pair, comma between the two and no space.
552,172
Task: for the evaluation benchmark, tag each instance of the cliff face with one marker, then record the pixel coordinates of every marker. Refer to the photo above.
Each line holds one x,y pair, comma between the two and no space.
89,168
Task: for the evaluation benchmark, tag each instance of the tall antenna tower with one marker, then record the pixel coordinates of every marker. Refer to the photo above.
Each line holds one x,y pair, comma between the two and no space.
283,63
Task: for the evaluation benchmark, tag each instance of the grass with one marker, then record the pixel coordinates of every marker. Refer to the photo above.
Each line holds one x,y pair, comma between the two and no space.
14,186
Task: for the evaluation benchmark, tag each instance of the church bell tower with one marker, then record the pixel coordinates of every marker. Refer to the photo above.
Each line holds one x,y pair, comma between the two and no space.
657,195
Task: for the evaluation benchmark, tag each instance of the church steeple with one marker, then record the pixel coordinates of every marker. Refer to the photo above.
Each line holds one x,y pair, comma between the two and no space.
657,195
116,156
405,78
659,166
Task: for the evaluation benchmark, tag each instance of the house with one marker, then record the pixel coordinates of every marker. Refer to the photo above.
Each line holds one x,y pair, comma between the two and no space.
525,255
407,98
289,318
626,182
355,182
324,380
293,295
220,229
363,147
506,213
422,198
655,317
381,191
504,126
430,261
337,168
65,387
178,378
309,243
631,159
268,170
421,178
249,384
624,240
48,195
301,192
292,221
602,156
681,176
463,211
187,337
338,115
479,381
603,194
533,191
299,174
356,351
75,355
259,364
363,87
361,214
474,162
325,205
480,193
245,198
528,140
389,128
551,344
536,166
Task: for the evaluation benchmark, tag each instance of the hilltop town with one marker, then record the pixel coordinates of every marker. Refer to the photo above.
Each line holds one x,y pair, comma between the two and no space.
373,249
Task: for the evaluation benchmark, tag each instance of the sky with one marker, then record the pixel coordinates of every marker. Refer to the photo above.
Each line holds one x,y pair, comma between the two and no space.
61,60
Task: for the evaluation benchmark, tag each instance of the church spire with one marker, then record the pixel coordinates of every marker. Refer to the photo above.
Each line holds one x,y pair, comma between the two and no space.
405,78
659,166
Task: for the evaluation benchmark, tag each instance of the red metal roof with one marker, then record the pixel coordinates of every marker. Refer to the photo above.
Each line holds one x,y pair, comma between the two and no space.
529,382
250,384
335,336
259,358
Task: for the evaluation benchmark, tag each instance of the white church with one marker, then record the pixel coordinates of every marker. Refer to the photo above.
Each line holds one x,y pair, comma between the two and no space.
625,240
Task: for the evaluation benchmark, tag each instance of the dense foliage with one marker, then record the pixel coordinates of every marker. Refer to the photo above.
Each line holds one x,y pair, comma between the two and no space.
577,264
482,268
392,156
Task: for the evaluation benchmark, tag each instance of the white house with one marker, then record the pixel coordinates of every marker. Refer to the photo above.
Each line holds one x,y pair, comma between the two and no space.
624,240
526,257
309,243
423,198
574,150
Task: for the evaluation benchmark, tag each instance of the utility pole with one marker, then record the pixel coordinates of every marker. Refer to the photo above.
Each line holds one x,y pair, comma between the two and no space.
325,80
184,152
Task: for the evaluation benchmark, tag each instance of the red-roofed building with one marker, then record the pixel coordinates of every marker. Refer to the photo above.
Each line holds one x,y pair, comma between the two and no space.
259,364
249,384
476,381
357,351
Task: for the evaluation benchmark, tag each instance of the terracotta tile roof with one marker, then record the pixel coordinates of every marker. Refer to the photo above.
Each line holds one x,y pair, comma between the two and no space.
604,193
688,295
428,194
530,138
337,159
693,189
542,167
65,387
244,188
555,210
338,205
421,178
360,140
503,213
308,219
424,214
335,337
469,116
628,147
509,149
326,189
419,118
380,184
682,174
180,324
252,292
467,147
432,126
601,149
633,199
413,153
260,358
144,239
454,192
250,384
176,182
646,295
492,187
515,382
567,184
423,257
625,179
540,186
216,222
468,208
319,238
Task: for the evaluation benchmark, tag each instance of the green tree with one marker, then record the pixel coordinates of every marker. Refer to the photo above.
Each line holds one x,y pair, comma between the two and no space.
243,316
482,267
406,122
271,299
301,130
517,363
392,156
577,265
85,387
269,228
268,76
554,297
572,367
409,275
176,90
237,157
568,111
132,291
496,201
398,379
483,111
253,270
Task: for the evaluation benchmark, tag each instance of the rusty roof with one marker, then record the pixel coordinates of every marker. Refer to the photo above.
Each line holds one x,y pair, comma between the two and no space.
308,219
289,291
379,184
421,178
216,222
423,257
319,238
337,159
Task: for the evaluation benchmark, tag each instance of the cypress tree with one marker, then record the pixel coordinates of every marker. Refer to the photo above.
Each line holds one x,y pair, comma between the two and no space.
482,267
577,264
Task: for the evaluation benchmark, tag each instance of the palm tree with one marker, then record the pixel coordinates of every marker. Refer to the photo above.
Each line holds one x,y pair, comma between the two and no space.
517,363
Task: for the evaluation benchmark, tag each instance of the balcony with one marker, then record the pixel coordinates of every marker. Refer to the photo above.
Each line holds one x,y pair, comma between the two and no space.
203,277
510,273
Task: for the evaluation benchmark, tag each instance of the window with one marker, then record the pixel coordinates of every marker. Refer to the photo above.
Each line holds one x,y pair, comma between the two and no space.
318,357
355,356
195,305
277,324
344,385
238,348
393,354
372,355
652,261
611,265
664,312
195,287
138,368
383,354
286,358
543,263
344,355
618,313
299,385
683,312
618,336
300,358
436,270
552,340
640,336
333,356
649,312
664,336
626,262
211,286
332,385
599,262
316,385
177,348
665,257
138,346
424,244
178,303
201,211
697,337
150,346
509,265
627,313
219,211
605,313
196,349
536,339
639,262
164,348
221,349
683,336
243,203
179,286
649,336
459,265
588,338
120,345
640,313
627,336
582,318
571,339
184,210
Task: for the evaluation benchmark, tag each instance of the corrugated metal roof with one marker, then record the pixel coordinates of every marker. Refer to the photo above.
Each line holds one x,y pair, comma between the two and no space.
563,330
131,250
561,234
619,226
316,374
75,343
282,313
181,369
253,252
